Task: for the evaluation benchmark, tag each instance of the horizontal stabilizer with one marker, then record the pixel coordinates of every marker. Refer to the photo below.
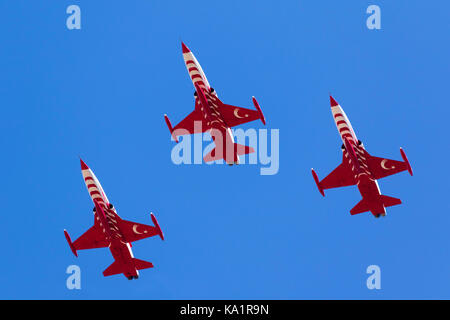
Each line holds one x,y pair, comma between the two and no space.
361,207
115,268
390,201
375,206
239,149
141,264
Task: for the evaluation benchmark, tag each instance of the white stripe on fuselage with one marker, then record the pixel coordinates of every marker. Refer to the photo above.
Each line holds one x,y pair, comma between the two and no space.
191,62
336,110
88,173
216,121
345,130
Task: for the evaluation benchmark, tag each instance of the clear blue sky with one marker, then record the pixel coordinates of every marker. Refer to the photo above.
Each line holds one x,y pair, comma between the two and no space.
101,92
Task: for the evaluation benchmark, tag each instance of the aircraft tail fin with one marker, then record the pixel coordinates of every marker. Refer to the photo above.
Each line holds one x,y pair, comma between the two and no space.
239,150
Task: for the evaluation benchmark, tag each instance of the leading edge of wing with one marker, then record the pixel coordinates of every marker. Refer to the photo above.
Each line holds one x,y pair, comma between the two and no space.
341,176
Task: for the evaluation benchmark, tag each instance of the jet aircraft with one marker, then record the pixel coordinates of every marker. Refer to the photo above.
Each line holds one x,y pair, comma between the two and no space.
213,116
110,231
359,168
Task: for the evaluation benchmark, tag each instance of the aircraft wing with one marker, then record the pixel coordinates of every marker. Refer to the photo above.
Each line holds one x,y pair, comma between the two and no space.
342,176
91,239
193,123
380,167
235,116
133,231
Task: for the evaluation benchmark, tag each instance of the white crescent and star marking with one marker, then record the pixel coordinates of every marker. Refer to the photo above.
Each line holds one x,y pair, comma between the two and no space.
236,114
136,231
383,165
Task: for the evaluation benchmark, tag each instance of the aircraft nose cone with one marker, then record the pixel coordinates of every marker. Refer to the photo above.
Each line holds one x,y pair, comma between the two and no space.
83,165
333,102
184,48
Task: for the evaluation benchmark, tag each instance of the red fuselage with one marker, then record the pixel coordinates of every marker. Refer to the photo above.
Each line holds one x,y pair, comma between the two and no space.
107,217
355,153
367,185
217,127
120,249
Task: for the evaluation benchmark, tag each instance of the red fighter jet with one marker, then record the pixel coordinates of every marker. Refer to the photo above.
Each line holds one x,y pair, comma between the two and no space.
360,168
111,231
212,115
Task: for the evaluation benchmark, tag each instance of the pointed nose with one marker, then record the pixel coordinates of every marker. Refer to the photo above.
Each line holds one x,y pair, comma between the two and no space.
333,102
184,48
83,165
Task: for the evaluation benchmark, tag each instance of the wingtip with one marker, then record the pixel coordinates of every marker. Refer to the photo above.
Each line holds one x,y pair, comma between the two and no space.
333,102
405,159
69,241
258,109
316,179
155,222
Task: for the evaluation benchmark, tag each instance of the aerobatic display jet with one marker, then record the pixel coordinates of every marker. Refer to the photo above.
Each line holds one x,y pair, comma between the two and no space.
360,168
111,231
213,116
